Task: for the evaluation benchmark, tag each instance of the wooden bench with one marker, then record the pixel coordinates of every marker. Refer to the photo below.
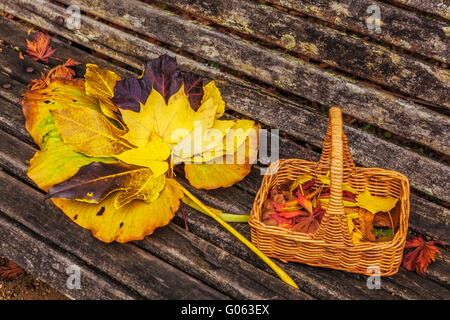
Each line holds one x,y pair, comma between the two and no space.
281,63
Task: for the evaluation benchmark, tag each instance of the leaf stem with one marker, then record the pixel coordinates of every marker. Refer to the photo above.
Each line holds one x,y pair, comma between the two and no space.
228,217
283,275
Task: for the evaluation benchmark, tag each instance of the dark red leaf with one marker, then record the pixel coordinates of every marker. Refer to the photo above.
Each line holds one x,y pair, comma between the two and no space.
163,75
193,87
97,180
423,254
129,93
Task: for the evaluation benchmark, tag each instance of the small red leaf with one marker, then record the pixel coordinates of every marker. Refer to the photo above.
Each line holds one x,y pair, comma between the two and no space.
40,49
423,254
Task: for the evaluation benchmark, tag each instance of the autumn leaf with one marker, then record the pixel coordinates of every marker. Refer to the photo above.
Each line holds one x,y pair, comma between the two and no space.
89,132
94,182
304,202
423,254
366,223
10,271
100,84
61,72
300,181
40,49
193,87
96,159
42,83
375,204
132,221
164,76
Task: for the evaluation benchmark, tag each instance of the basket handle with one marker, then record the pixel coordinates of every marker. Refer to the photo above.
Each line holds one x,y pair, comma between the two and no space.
335,125
335,155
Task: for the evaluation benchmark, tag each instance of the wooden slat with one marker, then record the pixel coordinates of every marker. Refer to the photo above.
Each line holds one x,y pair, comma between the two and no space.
399,27
351,54
255,102
215,266
49,264
436,7
149,276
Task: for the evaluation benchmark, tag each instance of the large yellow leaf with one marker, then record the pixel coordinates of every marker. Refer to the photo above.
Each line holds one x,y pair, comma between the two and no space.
211,92
224,138
59,94
132,221
199,142
375,204
100,84
152,155
214,175
89,132
172,122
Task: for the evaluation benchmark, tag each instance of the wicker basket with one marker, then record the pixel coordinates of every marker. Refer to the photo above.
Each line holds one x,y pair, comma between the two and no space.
331,245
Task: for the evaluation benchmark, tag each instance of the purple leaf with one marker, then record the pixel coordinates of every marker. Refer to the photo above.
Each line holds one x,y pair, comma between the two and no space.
129,93
193,87
163,75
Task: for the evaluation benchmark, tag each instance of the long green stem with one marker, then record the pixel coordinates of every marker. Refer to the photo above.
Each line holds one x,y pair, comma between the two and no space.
283,275
228,217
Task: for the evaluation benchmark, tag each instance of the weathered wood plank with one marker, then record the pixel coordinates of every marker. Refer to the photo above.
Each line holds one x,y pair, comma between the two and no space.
440,270
49,264
285,72
12,121
399,27
244,98
216,267
134,267
437,7
351,54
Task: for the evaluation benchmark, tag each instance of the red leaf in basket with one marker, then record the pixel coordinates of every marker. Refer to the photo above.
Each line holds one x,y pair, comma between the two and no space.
307,225
304,202
292,214
308,184
280,220
420,258
310,223
348,196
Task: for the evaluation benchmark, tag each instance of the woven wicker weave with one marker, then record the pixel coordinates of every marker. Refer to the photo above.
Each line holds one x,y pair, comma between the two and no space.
331,245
